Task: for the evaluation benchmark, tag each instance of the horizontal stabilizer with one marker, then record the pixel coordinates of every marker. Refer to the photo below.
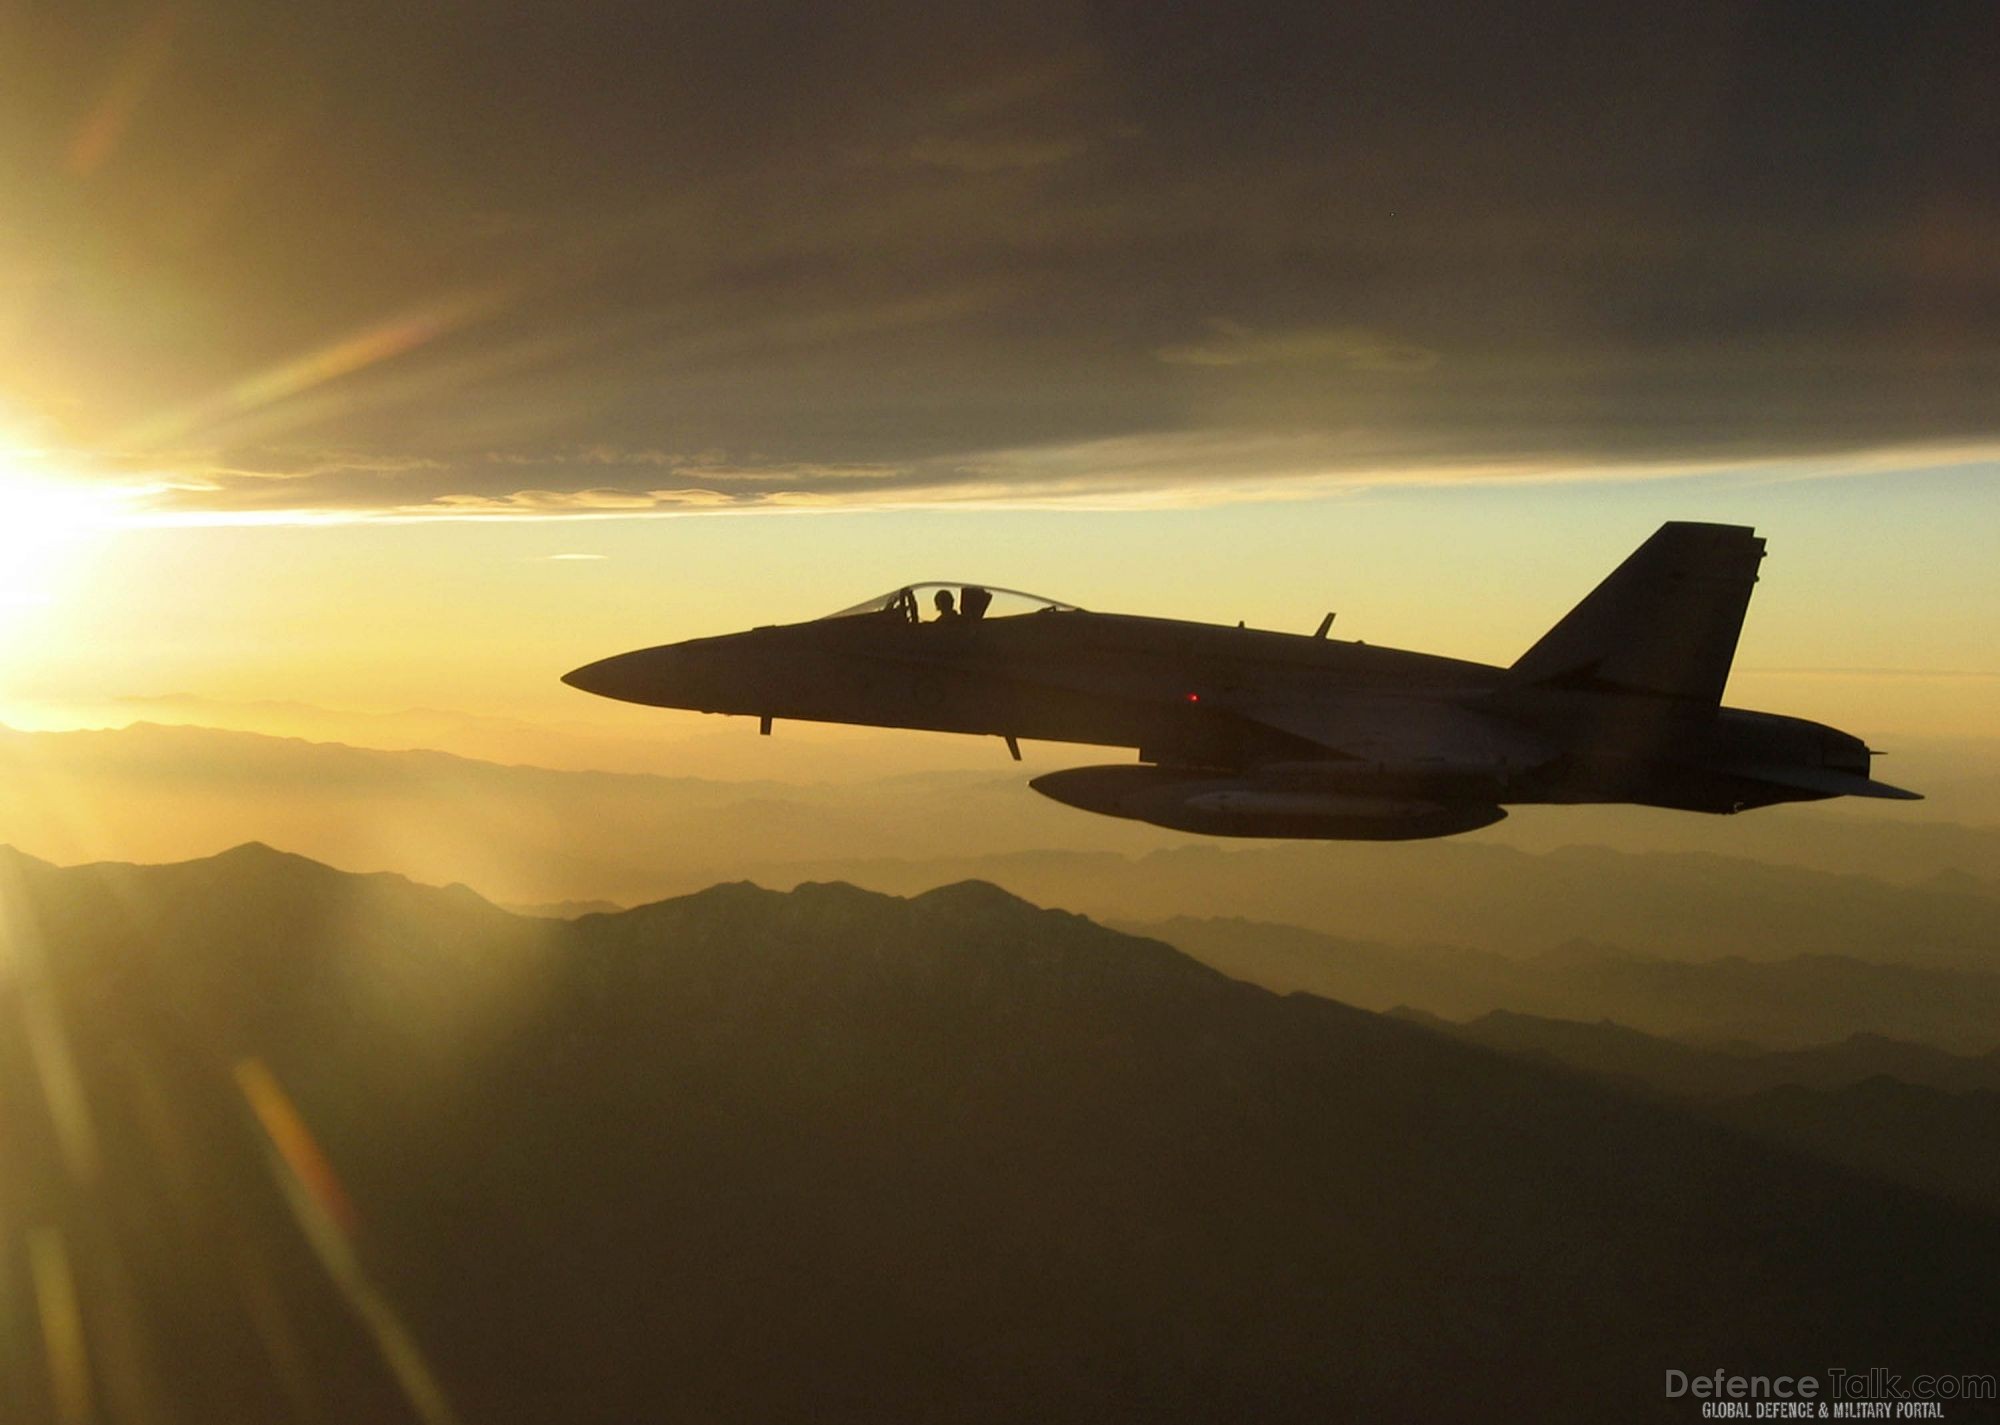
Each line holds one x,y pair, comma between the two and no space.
1827,781
1663,624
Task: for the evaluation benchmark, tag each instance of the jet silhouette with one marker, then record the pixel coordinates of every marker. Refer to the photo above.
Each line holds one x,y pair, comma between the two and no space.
1244,732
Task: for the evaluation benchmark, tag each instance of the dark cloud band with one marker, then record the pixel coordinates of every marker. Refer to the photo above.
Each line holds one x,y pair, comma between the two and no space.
913,254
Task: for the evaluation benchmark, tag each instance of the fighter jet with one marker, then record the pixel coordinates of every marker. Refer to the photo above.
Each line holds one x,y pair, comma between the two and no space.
1249,732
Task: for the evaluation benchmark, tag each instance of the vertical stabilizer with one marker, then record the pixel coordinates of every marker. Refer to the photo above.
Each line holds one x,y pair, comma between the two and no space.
1664,624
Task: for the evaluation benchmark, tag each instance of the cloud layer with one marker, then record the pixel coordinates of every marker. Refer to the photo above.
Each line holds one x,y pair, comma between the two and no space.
616,258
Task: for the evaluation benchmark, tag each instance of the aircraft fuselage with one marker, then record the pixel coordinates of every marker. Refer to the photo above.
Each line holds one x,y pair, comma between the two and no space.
1250,732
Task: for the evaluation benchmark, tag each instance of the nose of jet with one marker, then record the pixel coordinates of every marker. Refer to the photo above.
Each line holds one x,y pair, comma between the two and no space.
630,677
704,674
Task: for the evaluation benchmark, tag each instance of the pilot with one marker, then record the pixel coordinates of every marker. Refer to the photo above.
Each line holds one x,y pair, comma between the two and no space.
945,611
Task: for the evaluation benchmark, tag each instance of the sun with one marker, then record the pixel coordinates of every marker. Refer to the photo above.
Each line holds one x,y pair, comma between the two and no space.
47,524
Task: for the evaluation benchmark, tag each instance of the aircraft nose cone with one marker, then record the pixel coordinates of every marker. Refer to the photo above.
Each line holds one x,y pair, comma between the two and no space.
703,675
624,676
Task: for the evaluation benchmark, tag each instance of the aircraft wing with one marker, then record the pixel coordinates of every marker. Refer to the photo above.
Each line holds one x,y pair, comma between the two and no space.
1395,731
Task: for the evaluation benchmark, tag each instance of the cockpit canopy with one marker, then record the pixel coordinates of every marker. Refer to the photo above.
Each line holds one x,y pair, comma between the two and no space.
926,603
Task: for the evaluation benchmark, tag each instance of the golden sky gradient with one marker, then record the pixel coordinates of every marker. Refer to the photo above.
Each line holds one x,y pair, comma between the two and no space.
1878,608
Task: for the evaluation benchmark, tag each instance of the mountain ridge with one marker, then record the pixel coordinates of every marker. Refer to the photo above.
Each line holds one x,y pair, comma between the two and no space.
1784,1002
525,834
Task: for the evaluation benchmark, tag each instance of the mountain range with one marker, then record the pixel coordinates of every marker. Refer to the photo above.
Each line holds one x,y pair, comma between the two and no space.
289,1140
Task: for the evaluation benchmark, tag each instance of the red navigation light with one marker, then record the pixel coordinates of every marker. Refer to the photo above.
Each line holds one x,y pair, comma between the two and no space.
1194,697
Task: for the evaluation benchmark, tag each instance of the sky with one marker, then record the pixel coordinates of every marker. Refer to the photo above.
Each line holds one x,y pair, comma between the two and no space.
381,354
